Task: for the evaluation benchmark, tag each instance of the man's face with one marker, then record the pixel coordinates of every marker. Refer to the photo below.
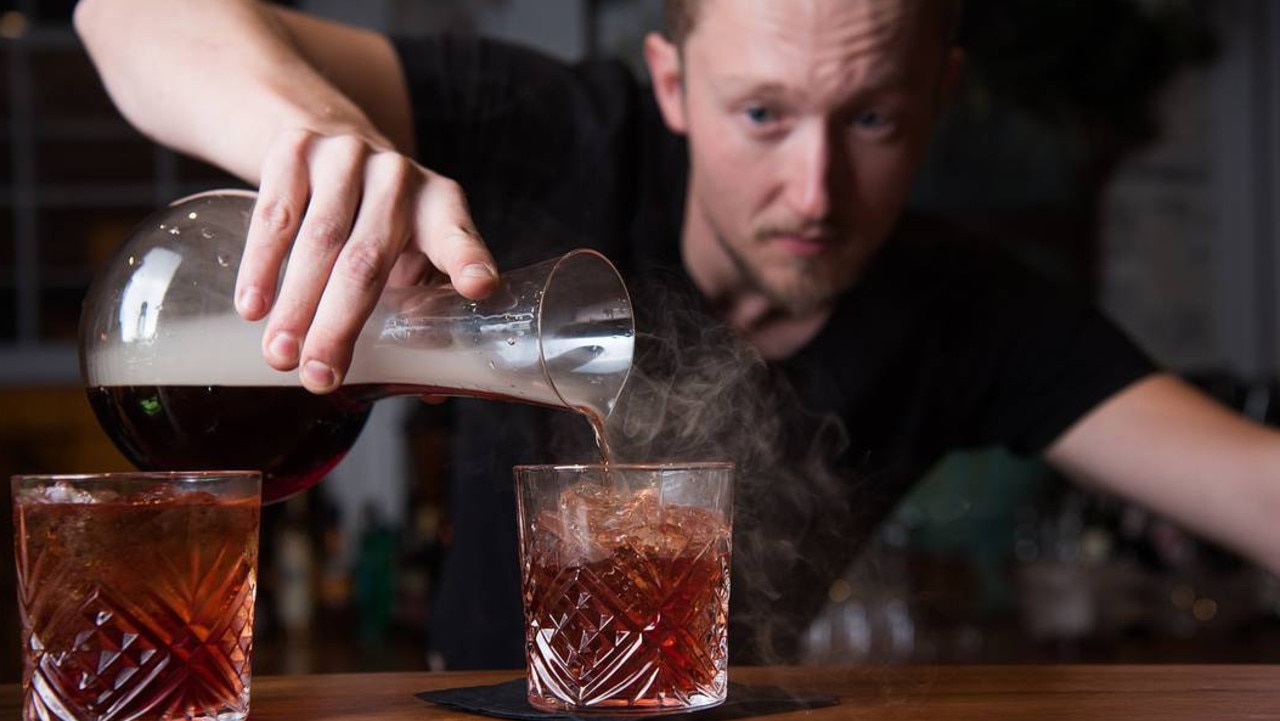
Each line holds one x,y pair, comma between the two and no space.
806,121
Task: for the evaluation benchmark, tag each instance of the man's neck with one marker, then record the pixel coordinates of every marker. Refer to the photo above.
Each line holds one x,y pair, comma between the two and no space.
773,330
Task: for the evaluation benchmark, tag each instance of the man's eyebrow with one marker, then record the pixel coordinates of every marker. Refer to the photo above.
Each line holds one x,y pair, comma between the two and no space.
743,85
874,81
886,77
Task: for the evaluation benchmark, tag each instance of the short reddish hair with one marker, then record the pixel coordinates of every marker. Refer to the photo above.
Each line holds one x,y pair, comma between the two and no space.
680,16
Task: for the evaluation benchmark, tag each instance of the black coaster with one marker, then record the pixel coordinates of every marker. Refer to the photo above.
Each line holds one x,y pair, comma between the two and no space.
509,700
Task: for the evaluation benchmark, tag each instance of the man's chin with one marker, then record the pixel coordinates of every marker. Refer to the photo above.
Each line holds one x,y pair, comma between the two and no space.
804,295
795,284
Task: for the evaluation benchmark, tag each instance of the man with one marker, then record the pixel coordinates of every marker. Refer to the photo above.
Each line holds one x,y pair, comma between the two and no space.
767,172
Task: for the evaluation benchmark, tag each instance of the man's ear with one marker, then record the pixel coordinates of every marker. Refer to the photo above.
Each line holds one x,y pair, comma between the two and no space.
667,75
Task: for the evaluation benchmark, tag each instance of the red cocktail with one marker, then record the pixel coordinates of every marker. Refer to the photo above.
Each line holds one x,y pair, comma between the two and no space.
136,594
626,586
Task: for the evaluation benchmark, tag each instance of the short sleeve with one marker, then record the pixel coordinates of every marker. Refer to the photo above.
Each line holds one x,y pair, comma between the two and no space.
949,343
540,147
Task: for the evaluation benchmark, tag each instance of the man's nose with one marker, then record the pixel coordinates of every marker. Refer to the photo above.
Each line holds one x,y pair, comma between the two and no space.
809,172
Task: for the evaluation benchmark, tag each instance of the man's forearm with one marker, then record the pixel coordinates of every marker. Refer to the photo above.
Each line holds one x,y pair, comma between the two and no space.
1172,449
218,79
317,115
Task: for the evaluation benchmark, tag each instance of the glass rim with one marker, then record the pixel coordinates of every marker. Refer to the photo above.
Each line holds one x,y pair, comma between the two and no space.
152,476
215,192
558,265
666,466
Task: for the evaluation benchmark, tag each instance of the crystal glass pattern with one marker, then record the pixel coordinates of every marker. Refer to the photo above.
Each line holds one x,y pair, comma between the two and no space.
626,586
136,595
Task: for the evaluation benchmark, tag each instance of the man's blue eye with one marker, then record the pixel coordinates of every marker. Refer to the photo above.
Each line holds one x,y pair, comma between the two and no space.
870,119
759,114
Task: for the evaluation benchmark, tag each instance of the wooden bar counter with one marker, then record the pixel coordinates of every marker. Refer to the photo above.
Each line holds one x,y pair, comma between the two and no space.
986,693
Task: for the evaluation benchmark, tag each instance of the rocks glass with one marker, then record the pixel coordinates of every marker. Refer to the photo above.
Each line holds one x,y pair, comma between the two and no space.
136,592
626,585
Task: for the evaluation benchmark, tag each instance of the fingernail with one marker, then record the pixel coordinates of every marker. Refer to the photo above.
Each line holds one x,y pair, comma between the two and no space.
478,270
251,302
284,347
318,374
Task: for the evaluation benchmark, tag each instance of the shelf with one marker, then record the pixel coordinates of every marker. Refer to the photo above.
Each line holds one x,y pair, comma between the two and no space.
89,195
74,129
50,278
39,364
43,38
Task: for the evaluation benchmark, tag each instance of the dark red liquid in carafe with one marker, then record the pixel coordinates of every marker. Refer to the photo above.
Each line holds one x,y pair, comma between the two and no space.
290,434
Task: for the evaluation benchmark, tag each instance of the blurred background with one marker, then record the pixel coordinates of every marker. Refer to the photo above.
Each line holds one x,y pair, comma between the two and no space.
1131,147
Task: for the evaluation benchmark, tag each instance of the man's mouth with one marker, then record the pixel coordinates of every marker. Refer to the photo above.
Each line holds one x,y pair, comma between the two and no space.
803,244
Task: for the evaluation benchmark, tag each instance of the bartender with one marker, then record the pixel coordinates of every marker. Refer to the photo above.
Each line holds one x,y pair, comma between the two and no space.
758,183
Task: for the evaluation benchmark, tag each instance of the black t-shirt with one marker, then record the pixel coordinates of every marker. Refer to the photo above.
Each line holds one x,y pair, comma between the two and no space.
945,343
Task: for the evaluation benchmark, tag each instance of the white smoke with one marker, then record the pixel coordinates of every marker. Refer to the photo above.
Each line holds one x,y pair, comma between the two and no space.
698,393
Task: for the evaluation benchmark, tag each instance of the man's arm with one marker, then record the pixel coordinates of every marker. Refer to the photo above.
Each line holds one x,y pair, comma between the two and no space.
1169,447
221,80
316,114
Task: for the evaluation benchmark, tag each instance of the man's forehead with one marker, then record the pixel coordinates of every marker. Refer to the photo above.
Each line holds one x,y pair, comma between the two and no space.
848,26
843,40
872,16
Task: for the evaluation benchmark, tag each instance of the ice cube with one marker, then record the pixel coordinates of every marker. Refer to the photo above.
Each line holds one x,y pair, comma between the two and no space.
159,493
64,492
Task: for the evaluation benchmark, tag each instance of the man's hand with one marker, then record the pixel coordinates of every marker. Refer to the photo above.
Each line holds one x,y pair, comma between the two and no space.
351,216
317,114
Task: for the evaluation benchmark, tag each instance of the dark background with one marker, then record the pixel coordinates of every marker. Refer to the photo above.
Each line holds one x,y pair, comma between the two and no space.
1129,147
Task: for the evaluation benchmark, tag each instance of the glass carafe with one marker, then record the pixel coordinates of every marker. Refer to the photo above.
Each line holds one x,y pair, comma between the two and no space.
177,378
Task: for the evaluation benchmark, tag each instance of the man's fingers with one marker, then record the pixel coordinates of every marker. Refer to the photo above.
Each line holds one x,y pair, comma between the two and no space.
360,271
277,214
337,214
335,197
446,233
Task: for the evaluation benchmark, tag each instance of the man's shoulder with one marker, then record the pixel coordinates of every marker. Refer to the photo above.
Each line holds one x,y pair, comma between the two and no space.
933,251
499,72
938,281
933,240
494,109
552,154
